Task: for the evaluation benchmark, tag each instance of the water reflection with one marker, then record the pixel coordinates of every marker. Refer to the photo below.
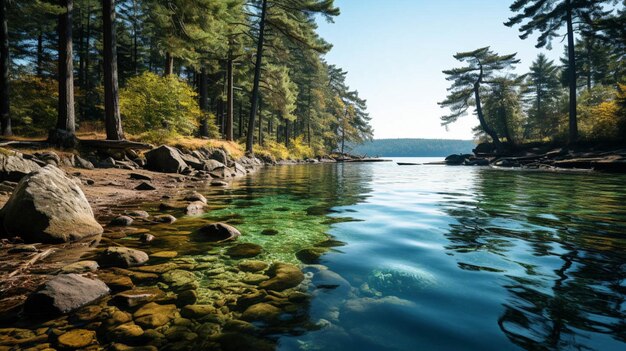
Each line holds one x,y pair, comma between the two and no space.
566,233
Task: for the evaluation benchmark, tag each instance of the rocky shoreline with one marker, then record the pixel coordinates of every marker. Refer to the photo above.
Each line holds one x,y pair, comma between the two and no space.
546,158
84,268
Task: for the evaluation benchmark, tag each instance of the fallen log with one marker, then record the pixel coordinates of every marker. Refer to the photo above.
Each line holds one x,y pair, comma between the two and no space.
115,144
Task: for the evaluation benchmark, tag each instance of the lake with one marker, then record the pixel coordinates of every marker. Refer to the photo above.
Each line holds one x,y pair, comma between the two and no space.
425,257
454,258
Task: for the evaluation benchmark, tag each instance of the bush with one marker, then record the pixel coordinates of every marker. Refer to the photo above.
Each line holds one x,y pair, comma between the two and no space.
598,113
299,149
34,103
158,108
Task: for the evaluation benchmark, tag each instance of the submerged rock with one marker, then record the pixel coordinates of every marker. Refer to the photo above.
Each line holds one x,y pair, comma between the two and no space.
65,293
282,276
48,207
310,255
252,266
261,312
219,232
179,279
77,338
80,267
165,159
195,208
245,250
195,196
165,219
153,315
122,257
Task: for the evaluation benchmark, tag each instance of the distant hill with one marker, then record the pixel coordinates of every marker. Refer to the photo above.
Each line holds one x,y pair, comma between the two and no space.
413,147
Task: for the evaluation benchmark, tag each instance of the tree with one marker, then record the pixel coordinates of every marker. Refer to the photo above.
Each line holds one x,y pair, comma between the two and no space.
502,107
5,62
294,21
112,119
482,65
548,17
542,91
66,125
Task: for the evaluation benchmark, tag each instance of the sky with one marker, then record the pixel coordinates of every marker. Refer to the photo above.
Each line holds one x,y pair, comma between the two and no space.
394,52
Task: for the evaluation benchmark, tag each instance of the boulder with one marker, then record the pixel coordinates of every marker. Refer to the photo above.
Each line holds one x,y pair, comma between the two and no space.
195,196
80,162
219,232
139,176
145,186
210,165
220,156
49,207
282,276
124,257
121,221
13,167
65,293
165,159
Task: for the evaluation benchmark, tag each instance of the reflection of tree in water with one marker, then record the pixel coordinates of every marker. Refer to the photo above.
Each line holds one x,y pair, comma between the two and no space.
580,220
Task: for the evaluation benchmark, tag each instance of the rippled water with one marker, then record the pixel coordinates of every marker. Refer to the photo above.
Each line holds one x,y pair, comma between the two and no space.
447,258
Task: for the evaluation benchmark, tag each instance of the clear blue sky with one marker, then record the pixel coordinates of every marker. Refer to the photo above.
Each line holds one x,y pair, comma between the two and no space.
394,52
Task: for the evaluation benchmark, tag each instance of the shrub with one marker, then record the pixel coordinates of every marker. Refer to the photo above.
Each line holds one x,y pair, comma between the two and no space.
33,105
158,108
299,149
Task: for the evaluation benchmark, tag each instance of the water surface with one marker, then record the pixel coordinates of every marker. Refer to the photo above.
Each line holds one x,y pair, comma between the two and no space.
448,258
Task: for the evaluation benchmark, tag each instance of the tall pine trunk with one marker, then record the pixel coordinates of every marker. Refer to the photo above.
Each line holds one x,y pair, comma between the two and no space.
571,76
257,79
5,62
66,115
39,68
203,89
169,64
112,119
229,98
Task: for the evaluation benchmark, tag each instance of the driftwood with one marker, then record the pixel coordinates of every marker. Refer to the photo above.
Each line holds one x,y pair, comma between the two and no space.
115,144
32,261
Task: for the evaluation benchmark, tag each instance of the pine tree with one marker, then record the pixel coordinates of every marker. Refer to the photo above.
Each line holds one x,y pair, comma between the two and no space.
542,92
112,118
482,65
5,62
548,17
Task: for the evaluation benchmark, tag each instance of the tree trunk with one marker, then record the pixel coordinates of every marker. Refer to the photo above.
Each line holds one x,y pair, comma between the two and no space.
135,36
203,88
86,53
483,124
257,79
39,69
573,123
240,119
286,133
5,116
66,116
229,99
112,119
169,64
260,127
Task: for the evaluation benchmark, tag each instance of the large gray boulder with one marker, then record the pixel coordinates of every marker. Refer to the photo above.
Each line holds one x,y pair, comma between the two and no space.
13,167
165,159
65,293
47,206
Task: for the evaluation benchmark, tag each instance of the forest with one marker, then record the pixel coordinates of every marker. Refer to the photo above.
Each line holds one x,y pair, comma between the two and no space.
413,147
156,70
579,100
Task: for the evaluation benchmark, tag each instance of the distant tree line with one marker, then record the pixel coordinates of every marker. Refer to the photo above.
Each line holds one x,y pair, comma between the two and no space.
582,98
254,70
413,147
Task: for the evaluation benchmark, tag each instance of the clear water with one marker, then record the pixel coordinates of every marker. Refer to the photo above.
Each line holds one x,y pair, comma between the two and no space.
446,258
